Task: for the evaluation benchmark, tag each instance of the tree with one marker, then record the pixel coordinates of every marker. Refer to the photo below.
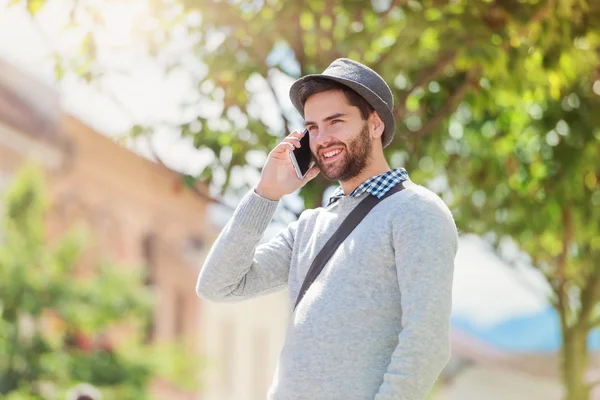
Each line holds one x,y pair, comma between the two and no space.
246,49
523,161
55,328
532,175
494,96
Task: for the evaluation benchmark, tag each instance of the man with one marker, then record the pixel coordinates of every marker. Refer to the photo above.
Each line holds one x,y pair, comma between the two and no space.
375,322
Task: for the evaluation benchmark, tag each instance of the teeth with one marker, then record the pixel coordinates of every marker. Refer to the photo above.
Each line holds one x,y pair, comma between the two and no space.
332,153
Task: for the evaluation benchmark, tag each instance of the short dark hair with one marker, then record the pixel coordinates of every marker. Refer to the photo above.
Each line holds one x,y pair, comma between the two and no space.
318,85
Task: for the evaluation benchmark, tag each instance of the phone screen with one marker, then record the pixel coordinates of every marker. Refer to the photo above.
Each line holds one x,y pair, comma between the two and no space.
303,154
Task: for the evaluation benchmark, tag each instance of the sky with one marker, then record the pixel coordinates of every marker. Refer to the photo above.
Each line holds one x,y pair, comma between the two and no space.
486,291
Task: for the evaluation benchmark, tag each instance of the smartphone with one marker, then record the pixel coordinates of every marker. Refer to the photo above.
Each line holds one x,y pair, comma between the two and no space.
302,157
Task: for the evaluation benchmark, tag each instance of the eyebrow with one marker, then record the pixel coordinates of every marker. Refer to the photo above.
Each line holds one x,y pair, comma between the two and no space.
334,116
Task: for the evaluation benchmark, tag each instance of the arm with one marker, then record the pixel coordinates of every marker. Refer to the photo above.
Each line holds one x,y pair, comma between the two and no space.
425,242
237,267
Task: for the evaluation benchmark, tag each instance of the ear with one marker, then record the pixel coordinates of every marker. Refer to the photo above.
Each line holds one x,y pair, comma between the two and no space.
376,125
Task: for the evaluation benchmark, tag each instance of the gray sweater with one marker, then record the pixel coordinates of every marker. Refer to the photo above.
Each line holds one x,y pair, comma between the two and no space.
375,323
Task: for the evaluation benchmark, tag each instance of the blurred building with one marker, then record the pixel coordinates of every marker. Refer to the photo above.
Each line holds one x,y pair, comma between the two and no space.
140,214
242,346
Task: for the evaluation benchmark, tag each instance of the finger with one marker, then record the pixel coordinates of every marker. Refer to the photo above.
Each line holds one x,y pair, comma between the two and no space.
283,147
296,134
293,140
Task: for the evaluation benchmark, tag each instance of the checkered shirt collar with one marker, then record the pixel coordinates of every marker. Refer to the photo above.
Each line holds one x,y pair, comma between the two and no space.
377,185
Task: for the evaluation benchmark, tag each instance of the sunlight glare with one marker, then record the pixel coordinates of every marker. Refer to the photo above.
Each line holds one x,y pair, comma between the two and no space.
120,21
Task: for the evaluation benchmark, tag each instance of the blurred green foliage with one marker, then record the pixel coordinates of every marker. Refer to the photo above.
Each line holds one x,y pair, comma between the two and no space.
55,324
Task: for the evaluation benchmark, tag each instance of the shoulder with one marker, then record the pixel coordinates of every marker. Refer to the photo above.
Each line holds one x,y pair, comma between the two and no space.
310,213
309,216
424,200
417,208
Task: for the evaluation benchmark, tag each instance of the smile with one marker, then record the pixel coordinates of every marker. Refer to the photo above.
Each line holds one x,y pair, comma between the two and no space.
332,155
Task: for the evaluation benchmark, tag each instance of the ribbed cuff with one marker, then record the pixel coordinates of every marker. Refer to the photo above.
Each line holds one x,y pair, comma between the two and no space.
254,212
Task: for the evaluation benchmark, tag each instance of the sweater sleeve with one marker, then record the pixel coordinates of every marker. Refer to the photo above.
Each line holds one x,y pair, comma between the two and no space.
425,244
237,267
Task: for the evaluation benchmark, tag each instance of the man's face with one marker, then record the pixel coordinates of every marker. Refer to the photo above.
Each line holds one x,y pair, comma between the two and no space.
339,137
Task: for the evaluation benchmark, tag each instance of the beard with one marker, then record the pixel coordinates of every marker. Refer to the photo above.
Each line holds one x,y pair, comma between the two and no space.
354,159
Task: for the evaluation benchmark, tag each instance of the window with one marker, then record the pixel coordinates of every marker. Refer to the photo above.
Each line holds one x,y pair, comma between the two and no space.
193,250
149,258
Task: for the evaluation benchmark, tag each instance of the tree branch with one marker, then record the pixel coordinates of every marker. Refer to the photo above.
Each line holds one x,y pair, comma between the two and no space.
539,15
589,298
561,272
593,323
425,77
429,74
448,108
387,53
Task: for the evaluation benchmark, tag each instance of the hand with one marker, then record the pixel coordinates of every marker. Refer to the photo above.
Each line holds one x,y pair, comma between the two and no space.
278,176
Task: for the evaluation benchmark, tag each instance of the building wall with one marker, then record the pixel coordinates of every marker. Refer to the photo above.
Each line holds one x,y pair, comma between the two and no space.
138,212
141,216
238,344
242,342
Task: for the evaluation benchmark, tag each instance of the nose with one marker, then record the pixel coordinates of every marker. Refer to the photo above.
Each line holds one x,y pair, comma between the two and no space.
320,137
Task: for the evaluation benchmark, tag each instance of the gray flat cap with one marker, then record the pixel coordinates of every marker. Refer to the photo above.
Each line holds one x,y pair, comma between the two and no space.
364,81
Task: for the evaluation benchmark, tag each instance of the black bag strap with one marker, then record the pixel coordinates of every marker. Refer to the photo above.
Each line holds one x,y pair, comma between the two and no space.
347,226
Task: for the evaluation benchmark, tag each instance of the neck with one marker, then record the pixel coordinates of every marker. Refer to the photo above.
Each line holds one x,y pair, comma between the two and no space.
377,167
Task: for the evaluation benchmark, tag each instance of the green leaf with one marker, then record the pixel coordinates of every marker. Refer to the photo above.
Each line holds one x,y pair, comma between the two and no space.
59,72
307,21
433,14
34,6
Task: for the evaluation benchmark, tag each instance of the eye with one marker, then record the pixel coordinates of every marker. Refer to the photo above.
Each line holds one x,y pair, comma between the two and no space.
335,121
311,128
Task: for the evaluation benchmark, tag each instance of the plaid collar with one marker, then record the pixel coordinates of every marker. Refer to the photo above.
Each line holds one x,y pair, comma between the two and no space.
377,185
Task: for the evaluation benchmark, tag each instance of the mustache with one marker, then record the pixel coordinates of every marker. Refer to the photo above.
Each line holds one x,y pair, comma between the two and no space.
321,148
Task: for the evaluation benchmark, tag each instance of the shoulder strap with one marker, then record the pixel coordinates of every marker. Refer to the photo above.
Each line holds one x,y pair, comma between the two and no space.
347,226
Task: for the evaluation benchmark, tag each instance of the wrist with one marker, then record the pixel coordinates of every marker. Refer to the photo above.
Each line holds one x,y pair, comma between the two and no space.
266,194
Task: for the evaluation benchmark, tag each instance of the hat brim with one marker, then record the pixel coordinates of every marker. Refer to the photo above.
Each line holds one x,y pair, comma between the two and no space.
371,97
